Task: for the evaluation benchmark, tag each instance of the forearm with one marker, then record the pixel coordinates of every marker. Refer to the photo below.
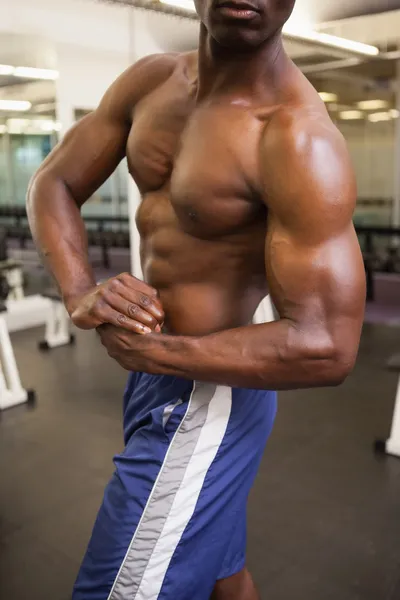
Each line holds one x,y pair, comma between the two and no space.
270,356
59,233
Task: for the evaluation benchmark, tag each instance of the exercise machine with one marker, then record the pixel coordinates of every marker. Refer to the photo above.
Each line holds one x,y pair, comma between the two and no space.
57,331
391,446
11,391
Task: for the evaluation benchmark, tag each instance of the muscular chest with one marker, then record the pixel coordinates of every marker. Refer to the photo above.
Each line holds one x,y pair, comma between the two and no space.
198,163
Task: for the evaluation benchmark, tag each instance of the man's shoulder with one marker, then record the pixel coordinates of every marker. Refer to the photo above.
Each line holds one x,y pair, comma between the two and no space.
139,80
298,132
304,155
147,73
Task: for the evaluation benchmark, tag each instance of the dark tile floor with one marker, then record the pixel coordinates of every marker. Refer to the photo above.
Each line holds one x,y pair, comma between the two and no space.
324,516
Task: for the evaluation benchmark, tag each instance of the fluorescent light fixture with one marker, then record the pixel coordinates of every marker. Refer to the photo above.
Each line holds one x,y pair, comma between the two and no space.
6,70
17,125
29,72
380,116
330,40
15,105
383,116
32,126
32,73
45,125
46,107
351,115
373,104
328,97
186,4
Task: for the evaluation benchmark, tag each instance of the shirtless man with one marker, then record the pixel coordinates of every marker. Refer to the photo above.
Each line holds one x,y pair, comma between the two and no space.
246,188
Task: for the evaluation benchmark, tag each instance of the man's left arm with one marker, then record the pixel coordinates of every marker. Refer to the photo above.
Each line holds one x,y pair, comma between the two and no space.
314,270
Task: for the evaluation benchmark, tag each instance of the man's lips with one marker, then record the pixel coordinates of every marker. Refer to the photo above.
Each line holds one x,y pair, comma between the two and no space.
237,10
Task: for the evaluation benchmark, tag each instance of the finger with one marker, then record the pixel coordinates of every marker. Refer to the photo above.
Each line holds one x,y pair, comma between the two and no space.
147,303
132,325
140,286
130,310
137,284
112,316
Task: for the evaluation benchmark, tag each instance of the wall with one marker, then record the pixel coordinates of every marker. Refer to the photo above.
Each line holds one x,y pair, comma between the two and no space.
372,150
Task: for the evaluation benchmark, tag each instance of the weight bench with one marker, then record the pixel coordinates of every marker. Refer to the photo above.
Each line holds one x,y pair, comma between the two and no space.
11,391
392,445
57,331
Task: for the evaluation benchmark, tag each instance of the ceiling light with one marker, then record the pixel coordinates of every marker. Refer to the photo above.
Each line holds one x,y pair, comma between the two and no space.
17,125
6,70
328,97
383,116
372,104
351,115
45,125
46,107
32,73
330,40
394,113
15,105
186,4
3,128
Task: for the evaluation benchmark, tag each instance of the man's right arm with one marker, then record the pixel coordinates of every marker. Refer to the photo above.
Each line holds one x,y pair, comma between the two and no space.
75,169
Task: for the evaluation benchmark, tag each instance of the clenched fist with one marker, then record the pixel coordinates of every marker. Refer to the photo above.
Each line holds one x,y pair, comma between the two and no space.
123,301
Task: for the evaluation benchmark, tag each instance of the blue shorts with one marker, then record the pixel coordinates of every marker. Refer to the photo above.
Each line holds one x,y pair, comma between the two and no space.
173,518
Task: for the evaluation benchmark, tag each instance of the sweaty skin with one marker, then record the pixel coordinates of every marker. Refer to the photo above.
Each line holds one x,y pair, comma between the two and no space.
243,192
246,188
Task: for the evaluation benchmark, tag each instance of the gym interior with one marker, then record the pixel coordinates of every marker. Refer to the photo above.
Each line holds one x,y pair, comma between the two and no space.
324,514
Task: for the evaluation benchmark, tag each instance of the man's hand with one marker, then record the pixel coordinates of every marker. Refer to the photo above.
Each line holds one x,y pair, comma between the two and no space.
131,352
123,301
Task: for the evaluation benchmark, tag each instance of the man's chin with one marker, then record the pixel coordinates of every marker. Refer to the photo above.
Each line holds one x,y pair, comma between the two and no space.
236,38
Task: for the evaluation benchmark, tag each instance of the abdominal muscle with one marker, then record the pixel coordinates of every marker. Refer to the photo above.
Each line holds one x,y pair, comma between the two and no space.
205,285
196,309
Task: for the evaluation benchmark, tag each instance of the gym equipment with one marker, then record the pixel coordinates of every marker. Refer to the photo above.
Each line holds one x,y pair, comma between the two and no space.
392,445
392,264
11,391
57,325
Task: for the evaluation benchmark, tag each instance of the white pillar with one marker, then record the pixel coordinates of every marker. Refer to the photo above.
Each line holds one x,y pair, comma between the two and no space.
396,170
133,204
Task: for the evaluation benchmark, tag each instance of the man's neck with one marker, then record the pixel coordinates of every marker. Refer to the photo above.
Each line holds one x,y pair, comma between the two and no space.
247,73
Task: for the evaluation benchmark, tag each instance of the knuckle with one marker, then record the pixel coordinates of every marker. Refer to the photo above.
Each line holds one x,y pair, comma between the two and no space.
99,310
144,300
113,285
105,296
121,319
132,310
152,292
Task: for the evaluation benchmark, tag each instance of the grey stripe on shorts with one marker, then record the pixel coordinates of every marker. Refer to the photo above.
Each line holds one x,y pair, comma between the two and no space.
162,495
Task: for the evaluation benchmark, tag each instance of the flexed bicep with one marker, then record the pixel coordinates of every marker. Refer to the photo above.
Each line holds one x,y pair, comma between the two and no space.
313,260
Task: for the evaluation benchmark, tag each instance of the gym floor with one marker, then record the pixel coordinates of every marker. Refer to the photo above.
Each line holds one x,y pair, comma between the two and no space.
323,518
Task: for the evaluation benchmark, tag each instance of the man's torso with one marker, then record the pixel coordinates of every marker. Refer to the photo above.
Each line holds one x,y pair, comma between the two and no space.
202,219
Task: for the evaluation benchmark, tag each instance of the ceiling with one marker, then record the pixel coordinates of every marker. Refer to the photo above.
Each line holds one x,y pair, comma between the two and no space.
318,11
370,80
